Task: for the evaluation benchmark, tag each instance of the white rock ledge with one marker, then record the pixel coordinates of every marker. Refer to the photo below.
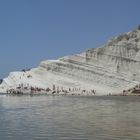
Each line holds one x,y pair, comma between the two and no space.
111,69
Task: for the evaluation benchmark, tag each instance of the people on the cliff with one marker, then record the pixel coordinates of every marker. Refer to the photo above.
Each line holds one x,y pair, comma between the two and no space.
29,76
58,90
48,89
93,91
53,87
19,87
61,88
83,91
55,90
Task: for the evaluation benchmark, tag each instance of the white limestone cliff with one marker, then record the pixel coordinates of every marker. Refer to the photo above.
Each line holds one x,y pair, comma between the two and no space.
111,68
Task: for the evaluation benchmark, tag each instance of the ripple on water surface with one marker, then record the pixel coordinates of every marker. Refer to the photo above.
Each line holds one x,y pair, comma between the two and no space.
69,118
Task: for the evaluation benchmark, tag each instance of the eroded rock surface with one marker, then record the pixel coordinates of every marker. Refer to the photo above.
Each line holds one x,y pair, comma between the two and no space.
111,68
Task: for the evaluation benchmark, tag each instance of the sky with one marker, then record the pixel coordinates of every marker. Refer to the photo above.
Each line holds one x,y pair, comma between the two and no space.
36,30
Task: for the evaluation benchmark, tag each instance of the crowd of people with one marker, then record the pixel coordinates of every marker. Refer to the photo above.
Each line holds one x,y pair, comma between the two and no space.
55,90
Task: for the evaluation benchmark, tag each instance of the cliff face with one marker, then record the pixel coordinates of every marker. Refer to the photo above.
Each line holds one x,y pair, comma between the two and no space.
122,53
111,68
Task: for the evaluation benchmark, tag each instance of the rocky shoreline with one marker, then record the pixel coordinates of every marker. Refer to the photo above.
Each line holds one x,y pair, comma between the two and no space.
55,90
70,92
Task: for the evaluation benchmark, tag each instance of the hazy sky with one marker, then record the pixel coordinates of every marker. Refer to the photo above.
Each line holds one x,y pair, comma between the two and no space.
35,30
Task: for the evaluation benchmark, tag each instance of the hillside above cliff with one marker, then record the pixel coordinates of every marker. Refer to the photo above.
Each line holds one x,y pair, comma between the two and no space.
112,68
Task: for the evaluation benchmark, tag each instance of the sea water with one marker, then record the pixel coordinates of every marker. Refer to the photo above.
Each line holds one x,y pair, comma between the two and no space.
69,118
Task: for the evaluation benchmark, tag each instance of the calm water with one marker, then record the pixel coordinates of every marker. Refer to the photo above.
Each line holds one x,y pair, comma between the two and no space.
69,118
